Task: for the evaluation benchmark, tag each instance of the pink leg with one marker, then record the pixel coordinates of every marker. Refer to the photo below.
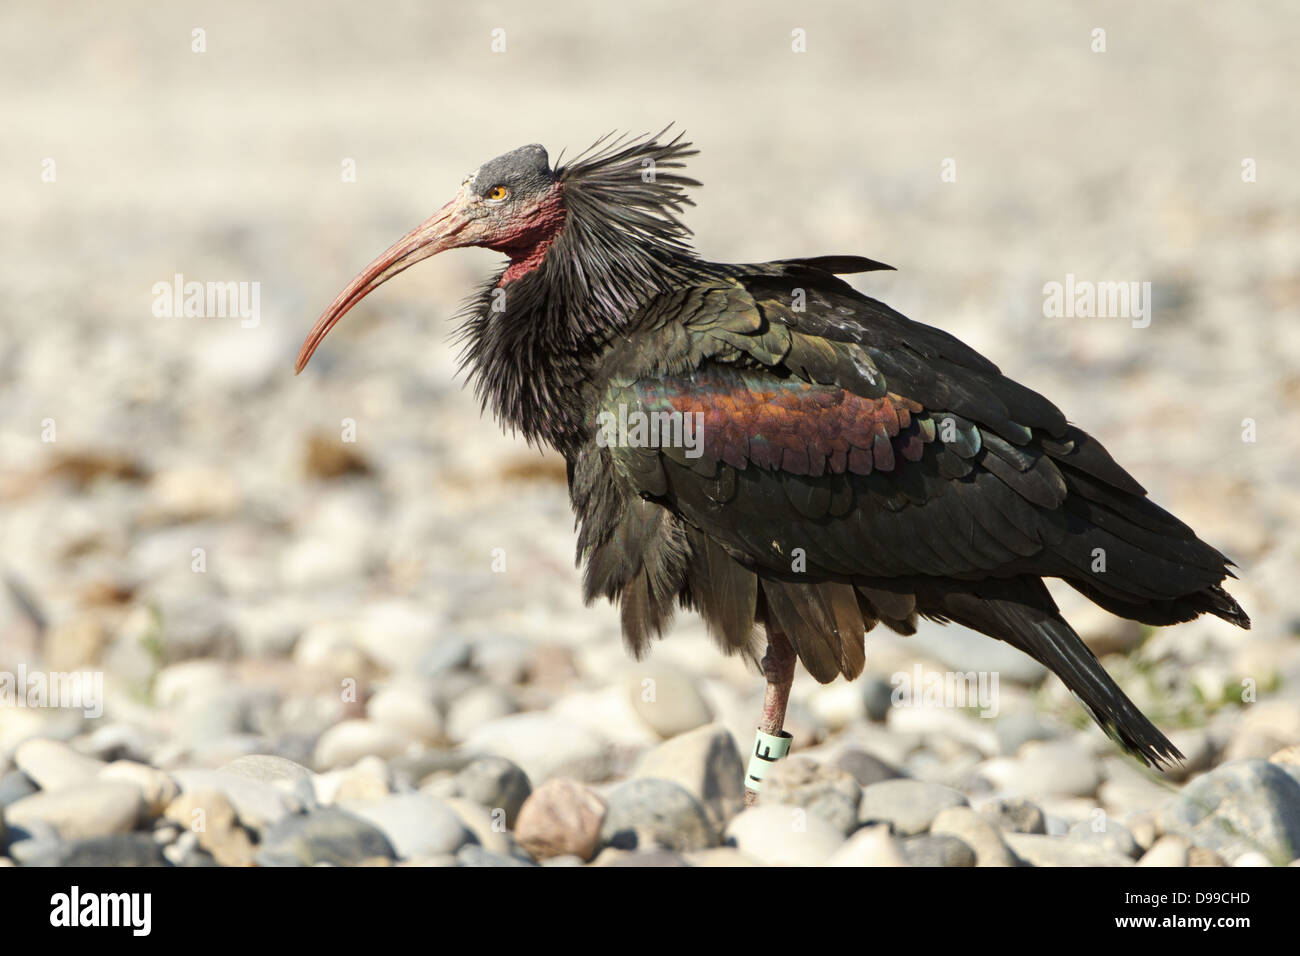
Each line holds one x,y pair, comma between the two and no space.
778,668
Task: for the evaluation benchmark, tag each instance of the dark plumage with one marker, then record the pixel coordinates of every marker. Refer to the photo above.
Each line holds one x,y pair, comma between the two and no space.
855,467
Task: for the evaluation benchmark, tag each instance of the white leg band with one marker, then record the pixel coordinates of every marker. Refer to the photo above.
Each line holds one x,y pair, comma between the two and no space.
767,750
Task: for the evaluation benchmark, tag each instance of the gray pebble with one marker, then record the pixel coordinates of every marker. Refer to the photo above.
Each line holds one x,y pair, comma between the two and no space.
327,835
1240,807
937,850
650,812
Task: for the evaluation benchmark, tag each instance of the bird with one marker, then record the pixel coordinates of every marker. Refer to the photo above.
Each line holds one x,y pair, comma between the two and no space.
792,459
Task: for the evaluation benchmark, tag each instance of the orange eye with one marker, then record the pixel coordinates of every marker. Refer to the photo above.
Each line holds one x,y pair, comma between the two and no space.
497,193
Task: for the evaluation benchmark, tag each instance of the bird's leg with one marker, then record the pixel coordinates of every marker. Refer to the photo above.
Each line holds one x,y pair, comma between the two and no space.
772,742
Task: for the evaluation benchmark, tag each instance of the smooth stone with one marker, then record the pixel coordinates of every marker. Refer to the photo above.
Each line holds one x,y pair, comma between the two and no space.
326,835
1038,850
488,828
269,768
53,765
666,699
1016,729
1014,815
830,793
15,785
447,653
870,846
92,809
544,746
1114,836
157,789
348,741
706,763
411,770
877,697
656,857
415,824
784,836
497,784
405,708
114,850
866,768
649,812
928,849
977,832
1168,850
258,804
719,856
475,707
210,817
909,806
1056,768
474,855
561,818
1239,807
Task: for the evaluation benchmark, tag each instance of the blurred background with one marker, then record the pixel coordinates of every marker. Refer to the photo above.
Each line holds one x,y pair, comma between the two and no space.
182,513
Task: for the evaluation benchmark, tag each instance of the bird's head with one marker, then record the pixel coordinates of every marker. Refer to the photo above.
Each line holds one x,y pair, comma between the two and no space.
512,204
623,194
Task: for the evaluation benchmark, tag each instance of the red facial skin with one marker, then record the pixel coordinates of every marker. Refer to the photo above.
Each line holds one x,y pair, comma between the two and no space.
524,233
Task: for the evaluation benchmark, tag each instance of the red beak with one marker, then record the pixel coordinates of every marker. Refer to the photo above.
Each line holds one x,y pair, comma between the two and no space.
440,232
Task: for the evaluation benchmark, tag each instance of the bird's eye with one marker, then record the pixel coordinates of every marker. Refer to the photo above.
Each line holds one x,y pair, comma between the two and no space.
497,193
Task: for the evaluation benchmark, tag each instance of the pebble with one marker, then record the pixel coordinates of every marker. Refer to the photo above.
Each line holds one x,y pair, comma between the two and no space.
656,857
496,784
561,818
830,793
706,763
416,824
865,768
92,809
719,856
784,836
928,849
1039,850
325,835
977,832
115,850
474,855
15,785
1113,835
268,768
1014,814
667,700
476,707
347,742
870,846
257,804
649,812
1168,850
157,789
406,707
53,765
1239,807
209,816
909,806
487,827
544,746
1056,768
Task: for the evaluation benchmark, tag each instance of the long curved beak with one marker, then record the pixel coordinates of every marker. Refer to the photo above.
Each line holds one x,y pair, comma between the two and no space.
442,231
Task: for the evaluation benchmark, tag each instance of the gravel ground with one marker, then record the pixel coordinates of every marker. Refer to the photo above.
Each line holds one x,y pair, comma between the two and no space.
338,614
